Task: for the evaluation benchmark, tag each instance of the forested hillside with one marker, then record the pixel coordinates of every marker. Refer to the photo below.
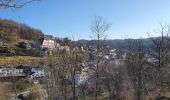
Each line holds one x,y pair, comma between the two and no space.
12,31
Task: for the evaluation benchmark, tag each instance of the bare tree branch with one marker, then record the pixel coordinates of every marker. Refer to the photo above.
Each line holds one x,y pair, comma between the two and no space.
15,3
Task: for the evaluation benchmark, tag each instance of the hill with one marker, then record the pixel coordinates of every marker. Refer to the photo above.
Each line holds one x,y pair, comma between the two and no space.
11,31
117,43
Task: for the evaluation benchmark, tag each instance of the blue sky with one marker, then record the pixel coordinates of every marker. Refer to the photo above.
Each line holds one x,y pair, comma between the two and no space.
72,18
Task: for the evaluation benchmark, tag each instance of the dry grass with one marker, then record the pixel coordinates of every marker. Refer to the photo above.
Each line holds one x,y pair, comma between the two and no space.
6,94
3,90
103,96
3,85
18,60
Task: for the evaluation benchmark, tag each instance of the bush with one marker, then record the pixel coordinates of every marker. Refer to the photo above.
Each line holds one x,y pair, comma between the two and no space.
33,96
21,85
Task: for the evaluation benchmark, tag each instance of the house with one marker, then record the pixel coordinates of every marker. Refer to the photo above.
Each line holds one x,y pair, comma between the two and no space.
7,72
82,48
10,71
64,48
57,45
37,74
82,64
25,69
25,45
124,56
18,71
2,69
47,43
112,53
1,43
79,48
44,52
76,49
44,43
67,48
2,66
106,57
38,71
152,60
46,46
84,77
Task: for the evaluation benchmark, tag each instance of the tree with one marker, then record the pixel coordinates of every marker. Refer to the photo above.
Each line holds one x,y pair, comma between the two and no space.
15,3
112,79
12,31
99,28
160,46
136,62
160,52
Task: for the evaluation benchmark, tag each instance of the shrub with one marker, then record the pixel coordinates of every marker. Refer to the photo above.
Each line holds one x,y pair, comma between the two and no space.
33,96
21,85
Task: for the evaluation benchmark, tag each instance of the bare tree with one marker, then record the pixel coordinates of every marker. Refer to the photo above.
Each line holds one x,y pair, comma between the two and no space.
99,28
160,46
15,3
136,62
160,52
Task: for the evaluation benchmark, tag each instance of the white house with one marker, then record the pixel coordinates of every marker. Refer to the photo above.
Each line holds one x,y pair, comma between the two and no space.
152,60
2,66
76,49
84,77
10,71
57,45
6,72
1,43
82,48
3,71
106,57
48,43
66,48
37,74
124,56
18,71
112,53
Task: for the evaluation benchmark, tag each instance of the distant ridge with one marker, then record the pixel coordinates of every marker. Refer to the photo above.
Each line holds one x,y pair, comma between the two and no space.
116,43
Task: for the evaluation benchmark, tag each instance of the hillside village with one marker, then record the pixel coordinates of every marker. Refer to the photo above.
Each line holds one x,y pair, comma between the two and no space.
47,48
122,60
42,48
